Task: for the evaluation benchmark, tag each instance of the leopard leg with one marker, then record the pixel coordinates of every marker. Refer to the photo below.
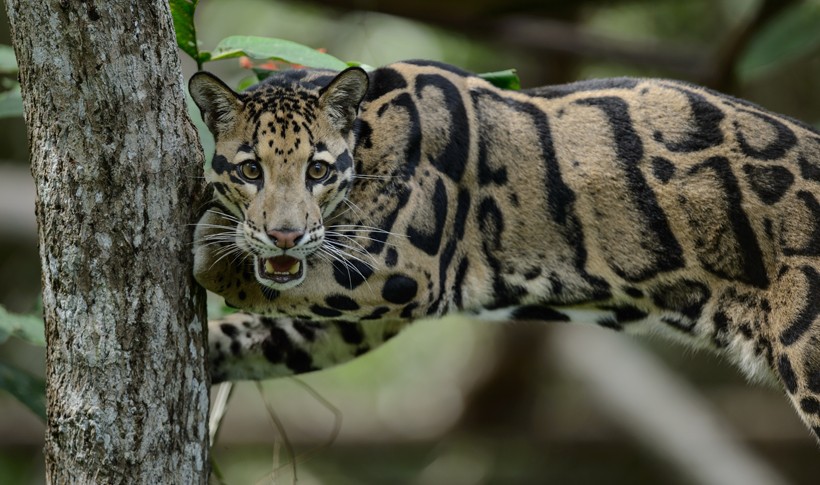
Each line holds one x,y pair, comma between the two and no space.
244,346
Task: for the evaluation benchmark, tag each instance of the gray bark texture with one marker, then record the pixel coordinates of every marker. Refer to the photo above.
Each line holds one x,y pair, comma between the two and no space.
117,168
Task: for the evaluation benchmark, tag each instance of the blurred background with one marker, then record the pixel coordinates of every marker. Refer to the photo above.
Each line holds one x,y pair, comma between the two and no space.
461,402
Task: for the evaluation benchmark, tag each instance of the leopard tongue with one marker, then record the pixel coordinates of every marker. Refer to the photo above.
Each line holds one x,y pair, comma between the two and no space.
282,265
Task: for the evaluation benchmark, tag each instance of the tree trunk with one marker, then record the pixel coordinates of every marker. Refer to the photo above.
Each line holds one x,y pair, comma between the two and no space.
117,173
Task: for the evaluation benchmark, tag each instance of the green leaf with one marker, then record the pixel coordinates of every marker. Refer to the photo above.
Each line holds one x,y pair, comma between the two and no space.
262,74
276,49
366,67
28,389
507,79
11,103
791,35
183,13
25,327
8,63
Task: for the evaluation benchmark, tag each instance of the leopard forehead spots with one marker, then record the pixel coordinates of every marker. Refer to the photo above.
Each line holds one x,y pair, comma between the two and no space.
635,205
281,120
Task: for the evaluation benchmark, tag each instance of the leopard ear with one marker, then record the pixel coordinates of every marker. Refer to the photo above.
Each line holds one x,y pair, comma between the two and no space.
341,98
218,103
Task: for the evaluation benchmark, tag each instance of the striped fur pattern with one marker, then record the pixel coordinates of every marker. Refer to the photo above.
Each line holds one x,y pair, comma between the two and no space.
639,205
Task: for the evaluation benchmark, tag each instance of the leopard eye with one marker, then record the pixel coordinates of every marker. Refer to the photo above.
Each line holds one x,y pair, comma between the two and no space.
250,170
318,171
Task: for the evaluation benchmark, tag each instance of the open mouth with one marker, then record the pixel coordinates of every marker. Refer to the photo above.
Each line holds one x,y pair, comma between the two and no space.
280,269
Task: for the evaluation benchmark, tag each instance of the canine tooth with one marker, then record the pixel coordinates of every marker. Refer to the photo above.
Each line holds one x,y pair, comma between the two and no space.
269,266
295,268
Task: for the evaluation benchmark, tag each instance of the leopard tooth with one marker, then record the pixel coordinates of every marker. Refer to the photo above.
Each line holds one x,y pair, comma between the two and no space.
269,267
295,268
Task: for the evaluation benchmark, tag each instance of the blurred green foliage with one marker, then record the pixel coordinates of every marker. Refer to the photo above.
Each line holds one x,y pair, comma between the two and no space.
26,327
27,388
8,64
792,35
11,103
272,49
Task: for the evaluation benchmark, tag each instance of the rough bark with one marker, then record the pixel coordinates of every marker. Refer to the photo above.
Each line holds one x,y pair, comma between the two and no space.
117,173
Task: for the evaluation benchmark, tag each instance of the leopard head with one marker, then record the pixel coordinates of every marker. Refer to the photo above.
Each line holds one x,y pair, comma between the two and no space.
282,162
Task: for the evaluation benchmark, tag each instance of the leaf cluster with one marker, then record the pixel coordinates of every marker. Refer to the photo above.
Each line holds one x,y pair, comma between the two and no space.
280,50
27,388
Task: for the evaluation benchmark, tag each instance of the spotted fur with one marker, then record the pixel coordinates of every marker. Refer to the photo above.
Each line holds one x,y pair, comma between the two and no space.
635,204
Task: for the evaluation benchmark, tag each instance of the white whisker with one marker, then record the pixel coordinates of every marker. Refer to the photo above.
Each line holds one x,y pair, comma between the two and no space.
348,237
374,177
362,253
362,228
227,253
225,215
356,210
337,253
353,237
340,214
215,226
334,257
342,252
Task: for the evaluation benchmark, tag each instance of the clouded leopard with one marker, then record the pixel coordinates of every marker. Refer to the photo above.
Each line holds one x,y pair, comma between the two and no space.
347,205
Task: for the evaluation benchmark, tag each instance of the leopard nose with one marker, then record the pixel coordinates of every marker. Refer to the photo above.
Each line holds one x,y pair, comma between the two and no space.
285,238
